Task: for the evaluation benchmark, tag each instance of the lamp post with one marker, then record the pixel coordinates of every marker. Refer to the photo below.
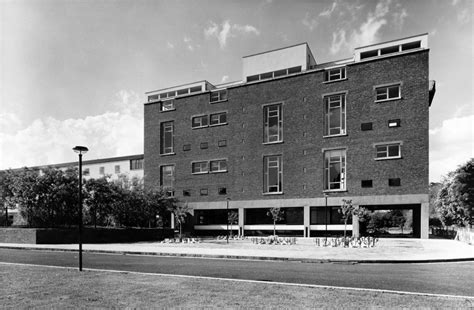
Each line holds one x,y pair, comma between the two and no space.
227,230
326,215
80,150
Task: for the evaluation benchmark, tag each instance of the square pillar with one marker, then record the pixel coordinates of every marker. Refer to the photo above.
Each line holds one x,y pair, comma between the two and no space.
241,221
306,221
355,226
424,220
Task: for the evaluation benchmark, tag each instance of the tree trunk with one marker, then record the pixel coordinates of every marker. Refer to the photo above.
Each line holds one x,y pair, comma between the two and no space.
180,233
274,228
345,227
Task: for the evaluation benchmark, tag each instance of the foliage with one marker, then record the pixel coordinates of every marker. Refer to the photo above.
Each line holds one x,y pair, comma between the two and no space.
232,219
456,198
276,213
180,212
347,210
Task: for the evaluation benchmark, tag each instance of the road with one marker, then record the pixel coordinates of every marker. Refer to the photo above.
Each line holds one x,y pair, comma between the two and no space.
436,278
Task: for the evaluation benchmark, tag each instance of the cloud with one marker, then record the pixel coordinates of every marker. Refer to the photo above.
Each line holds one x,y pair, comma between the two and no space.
9,122
311,23
50,141
225,31
224,79
169,45
451,145
187,40
328,12
399,17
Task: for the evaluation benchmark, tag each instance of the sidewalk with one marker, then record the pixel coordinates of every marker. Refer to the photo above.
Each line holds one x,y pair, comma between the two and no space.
386,251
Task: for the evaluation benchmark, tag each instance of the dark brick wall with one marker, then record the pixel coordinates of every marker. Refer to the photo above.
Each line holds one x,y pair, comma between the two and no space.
303,116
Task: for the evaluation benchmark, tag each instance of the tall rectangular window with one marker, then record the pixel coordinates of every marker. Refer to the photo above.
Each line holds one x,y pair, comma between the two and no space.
273,174
117,168
389,92
335,115
273,123
335,170
102,170
167,132
167,178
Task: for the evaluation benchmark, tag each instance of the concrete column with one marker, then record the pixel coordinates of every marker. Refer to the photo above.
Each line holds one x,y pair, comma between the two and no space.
172,221
306,221
241,221
424,220
355,226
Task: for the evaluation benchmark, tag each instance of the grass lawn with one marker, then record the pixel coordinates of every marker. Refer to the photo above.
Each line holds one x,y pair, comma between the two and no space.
42,287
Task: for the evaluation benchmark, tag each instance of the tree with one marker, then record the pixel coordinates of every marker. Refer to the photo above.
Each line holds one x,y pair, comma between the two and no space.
397,218
101,196
347,210
180,212
276,213
232,218
456,197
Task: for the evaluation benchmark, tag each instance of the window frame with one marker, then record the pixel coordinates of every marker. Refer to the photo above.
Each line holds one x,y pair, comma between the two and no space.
266,121
266,172
327,170
328,74
163,149
219,169
204,116
136,164
170,192
167,102
205,171
220,94
387,146
386,87
219,123
117,167
342,114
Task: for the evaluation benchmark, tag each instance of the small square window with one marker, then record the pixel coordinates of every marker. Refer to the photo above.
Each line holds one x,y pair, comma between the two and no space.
186,192
86,171
102,170
167,105
366,183
222,143
394,182
394,123
216,96
187,147
366,126
222,191
117,168
203,192
335,74
204,145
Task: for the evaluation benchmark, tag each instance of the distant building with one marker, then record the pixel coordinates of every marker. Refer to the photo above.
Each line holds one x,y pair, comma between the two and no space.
298,135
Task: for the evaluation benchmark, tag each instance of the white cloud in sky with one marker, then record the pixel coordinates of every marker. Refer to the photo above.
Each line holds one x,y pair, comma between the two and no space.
187,40
328,11
312,22
399,17
227,30
50,141
451,145
169,45
9,122
224,79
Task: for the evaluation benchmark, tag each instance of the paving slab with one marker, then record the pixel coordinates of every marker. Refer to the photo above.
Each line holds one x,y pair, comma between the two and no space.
386,250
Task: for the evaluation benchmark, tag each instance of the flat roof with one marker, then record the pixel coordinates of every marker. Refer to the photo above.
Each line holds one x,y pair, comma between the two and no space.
277,49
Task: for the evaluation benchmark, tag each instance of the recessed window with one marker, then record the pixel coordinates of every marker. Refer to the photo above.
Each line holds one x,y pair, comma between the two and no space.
216,96
218,119
167,105
117,168
366,126
167,179
335,170
387,92
200,121
335,115
219,165
136,164
335,74
195,89
203,192
200,167
167,137
273,174
187,147
222,191
86,172
388,151
394,123
272,123
366,183
222,143
204,145
186,192
389,50
102,170
369,54
394,182
153,98
411,45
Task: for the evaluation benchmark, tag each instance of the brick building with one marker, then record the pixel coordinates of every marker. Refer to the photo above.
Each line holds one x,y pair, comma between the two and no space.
298,135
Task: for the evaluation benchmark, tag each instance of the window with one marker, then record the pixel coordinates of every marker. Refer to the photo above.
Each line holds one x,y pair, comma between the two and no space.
219,165
387,92
366,183
200,121
222,191
335,112
366,126
200,167
117,168
186,147
136,164
222,143
389,50
218,119
216,96
411,45
273,174
335,170
394,182
153,98
101,170
86,172
167,133
203,191
388,151
335,74
273,74
273,123
203,145
394,123
167,178
186,192
167,105
369,54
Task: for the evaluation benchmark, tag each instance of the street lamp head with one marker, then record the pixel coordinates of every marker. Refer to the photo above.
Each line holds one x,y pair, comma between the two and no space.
80,149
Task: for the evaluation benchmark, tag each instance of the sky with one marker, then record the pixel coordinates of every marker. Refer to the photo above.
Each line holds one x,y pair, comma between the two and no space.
76,72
